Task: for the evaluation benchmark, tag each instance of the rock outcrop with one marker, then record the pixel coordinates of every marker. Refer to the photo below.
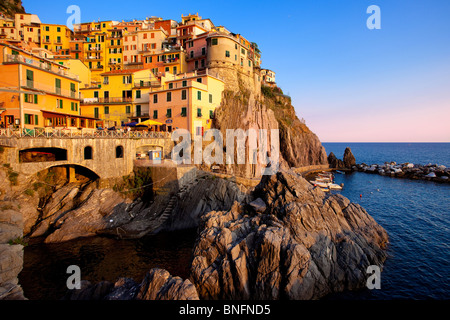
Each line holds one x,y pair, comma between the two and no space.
242,109
10,7
349,158
301,245
158,284
299,146
349,161
11,243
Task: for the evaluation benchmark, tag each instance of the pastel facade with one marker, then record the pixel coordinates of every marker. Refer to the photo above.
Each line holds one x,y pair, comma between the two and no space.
186,102
39,92
122,96
55,38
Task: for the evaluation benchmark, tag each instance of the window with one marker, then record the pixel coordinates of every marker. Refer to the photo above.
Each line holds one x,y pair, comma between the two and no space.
59,103
138,94
58,29
106,110
155,114
199,95
106,80
183,94
169,96
199,80
199,112
126,79
203,51
210,98
227,54
88,153
47,28
170,85
119,152
95,94
58,39
235,46
184,84
249,63
184,112
138,110
128,109
36,119
96,113
214,41
191,54
155,98
30,79
243,51
72,90
169,113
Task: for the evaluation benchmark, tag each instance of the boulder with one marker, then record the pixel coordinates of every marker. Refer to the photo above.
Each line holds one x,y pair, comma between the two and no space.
158,284
349,158
304,246
335,162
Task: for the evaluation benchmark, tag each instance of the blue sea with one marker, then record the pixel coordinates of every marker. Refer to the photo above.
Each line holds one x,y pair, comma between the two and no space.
416,215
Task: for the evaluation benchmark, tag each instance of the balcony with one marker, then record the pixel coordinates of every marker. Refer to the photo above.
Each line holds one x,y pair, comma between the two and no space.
48,89
88,101
46,66
97,68
147,84
94,49
96,58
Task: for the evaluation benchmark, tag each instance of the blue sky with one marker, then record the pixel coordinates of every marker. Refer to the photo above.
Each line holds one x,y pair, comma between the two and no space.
350,83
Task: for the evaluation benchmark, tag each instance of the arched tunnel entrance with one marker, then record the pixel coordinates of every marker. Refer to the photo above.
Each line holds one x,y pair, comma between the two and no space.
42,155
67,174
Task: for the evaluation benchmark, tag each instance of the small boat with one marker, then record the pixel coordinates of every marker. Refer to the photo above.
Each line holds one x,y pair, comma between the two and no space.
334,186
319,184
340,172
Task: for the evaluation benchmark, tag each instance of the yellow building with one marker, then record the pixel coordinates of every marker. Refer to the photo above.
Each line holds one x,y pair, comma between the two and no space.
102,46
76,66
37,92
122,96
55,37
186,102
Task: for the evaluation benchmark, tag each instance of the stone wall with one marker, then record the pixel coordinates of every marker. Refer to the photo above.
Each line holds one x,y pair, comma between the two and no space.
104,161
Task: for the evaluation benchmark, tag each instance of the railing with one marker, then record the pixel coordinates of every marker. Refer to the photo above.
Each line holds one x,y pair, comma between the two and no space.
50,89
47,66
49,133
147,84
106,100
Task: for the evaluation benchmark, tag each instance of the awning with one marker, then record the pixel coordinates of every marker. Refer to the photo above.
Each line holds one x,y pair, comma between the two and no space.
68,115
150,123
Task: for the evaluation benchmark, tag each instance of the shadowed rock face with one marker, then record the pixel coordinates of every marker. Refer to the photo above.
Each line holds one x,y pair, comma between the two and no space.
305,245
299,146
158,284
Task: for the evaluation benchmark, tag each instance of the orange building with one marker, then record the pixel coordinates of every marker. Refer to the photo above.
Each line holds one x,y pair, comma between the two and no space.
36,92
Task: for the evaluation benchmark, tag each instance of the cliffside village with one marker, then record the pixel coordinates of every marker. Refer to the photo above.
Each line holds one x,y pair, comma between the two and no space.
155,74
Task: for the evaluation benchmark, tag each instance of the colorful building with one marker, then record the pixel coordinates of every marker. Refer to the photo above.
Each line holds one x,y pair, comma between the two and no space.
37,92
122,96
55,38
186,101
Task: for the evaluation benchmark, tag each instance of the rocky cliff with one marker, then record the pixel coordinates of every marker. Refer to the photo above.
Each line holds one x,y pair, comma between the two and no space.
10,7
242,109
158,284
292,242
